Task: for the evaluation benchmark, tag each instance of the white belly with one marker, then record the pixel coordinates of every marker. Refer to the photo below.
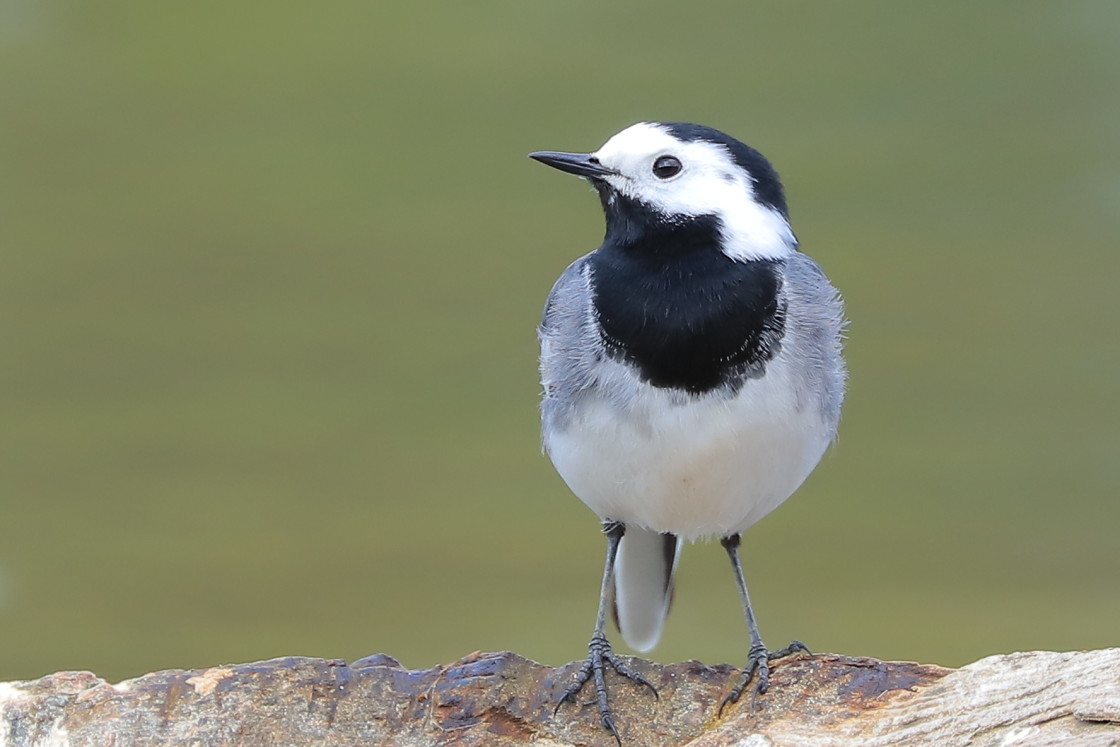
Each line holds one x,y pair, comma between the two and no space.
691,466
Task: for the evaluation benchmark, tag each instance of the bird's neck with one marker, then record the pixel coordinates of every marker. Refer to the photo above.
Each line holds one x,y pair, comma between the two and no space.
635,227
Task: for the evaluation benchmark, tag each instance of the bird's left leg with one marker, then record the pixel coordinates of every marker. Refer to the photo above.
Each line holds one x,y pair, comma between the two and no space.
758,658
599,653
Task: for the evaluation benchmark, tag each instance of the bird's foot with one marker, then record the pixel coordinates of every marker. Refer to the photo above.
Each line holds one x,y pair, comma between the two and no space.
758,660
599,655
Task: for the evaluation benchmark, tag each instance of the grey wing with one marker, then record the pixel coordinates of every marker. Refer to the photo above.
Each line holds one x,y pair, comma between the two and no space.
816,314
570,345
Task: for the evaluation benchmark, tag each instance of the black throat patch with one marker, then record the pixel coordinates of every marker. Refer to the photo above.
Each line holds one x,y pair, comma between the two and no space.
677,308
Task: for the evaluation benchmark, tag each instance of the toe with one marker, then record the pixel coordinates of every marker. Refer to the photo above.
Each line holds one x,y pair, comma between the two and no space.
763,681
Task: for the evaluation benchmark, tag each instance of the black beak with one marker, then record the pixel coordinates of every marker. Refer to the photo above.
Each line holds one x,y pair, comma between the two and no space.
580,164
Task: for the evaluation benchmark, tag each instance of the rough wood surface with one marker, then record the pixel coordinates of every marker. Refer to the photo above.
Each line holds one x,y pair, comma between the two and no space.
498,699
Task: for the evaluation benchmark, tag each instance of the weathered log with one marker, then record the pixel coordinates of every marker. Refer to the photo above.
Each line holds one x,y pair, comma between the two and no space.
497,699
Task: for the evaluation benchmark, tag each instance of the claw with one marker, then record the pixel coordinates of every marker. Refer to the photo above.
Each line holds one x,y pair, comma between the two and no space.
594,668
758,660
630,673
608,724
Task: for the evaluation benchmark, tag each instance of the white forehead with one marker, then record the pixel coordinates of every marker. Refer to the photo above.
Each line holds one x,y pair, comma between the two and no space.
638,146
710,183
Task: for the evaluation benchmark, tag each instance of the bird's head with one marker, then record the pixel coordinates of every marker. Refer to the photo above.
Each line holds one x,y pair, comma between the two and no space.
655,176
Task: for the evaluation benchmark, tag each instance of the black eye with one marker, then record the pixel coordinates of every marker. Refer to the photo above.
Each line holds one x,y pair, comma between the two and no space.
666,166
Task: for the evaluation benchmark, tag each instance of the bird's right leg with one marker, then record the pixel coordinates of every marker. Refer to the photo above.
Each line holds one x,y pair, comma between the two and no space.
599,653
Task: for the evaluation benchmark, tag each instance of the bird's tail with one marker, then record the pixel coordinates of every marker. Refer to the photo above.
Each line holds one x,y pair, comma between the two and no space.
643,585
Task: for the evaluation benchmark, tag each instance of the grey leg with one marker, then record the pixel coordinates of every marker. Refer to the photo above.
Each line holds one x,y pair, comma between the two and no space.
758,658
599,649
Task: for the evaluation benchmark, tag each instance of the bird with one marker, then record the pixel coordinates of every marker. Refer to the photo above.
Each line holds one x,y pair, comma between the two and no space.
692,372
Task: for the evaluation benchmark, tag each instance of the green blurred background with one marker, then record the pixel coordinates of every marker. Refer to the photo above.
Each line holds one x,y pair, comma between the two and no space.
269,276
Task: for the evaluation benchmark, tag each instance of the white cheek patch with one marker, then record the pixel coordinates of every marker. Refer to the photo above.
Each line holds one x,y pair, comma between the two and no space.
711,183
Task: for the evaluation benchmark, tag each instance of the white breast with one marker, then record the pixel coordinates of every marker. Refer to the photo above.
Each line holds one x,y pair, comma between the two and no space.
693,466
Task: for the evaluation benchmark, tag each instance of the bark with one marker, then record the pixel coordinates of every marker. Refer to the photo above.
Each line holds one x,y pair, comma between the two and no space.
498,699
